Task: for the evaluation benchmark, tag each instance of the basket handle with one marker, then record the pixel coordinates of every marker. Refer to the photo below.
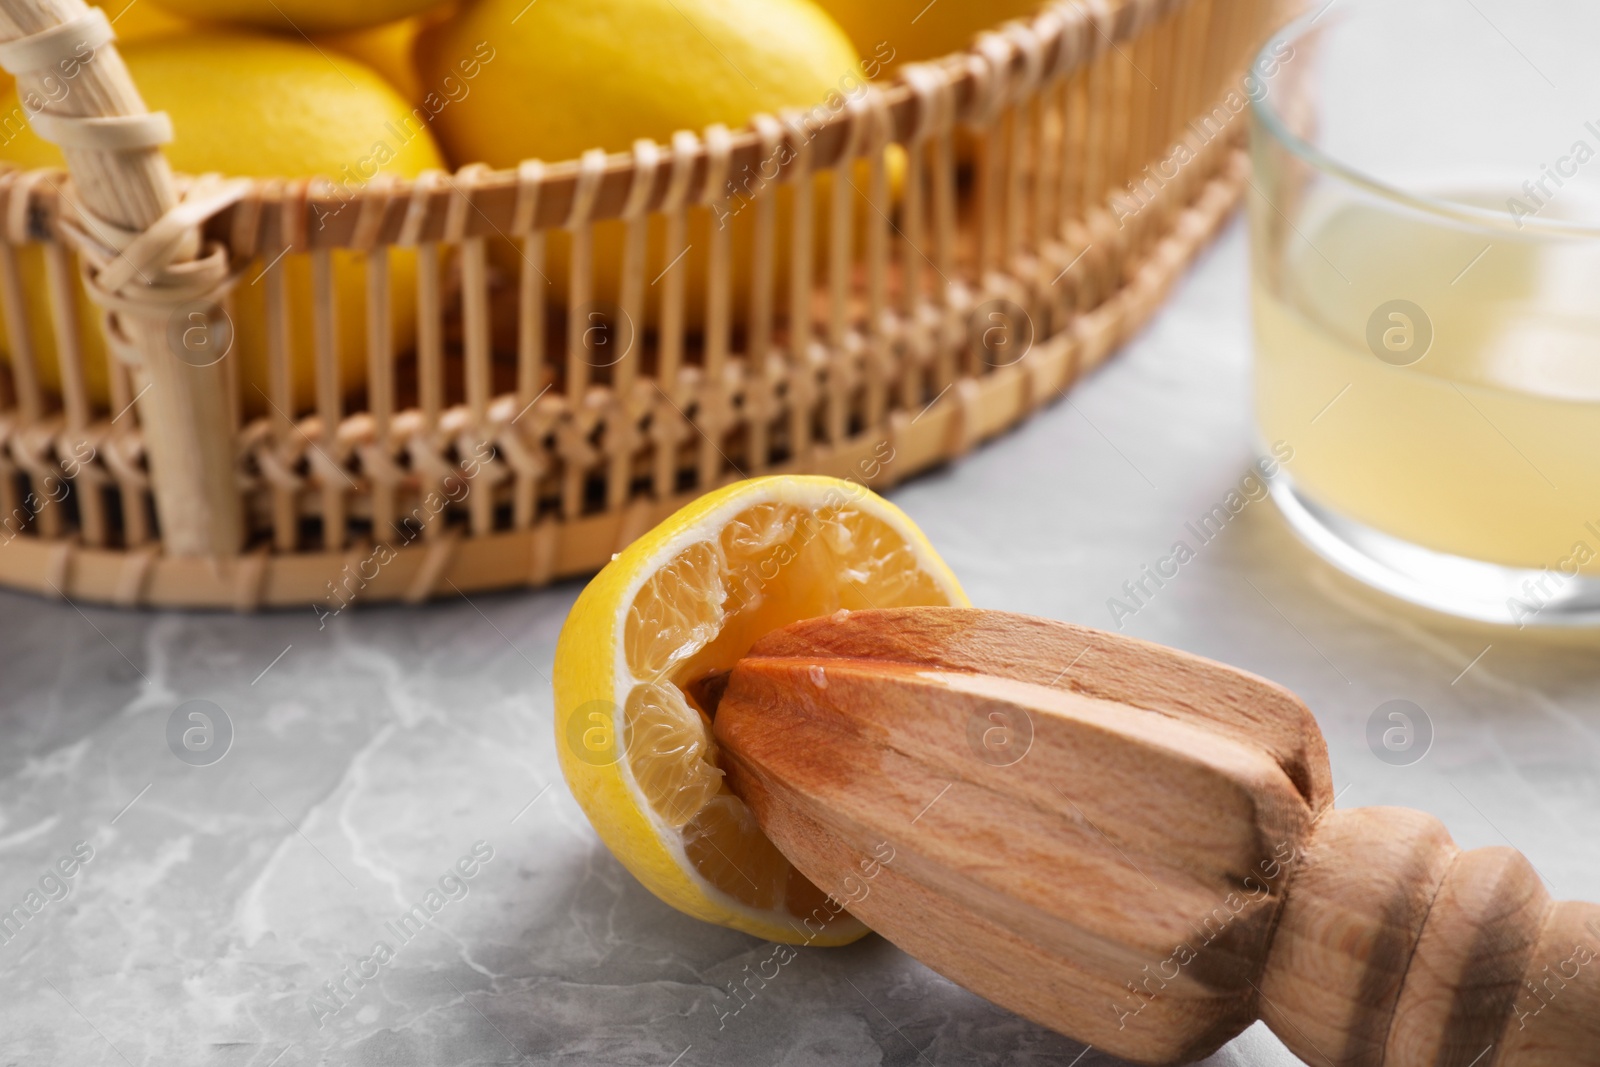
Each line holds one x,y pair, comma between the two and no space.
141,245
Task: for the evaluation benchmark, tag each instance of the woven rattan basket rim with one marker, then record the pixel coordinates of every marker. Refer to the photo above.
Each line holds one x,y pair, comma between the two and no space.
554,549
1001,64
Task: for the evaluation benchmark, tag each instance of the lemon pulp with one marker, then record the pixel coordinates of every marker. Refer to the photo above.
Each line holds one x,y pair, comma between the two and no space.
773,564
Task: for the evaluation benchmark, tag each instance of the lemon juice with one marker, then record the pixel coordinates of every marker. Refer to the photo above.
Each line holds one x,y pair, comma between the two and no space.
1438,384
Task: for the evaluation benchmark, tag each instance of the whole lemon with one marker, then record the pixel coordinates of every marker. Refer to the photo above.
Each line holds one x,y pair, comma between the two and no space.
891,32
554,79
298,17
137,21
256,106
389,49
570,75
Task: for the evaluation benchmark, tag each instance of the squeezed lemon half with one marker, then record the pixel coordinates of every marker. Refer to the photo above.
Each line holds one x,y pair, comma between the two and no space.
683,604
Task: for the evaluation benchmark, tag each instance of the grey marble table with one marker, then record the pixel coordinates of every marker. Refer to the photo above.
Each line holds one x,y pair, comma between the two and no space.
370,757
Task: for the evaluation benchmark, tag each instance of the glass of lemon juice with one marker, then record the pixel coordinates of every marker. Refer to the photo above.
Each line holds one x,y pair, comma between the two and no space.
1425,229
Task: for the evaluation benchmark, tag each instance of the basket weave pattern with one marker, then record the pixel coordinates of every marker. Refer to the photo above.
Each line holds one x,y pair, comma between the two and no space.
499,451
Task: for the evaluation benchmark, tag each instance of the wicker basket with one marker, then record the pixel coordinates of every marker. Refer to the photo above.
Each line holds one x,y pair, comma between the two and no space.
1058,177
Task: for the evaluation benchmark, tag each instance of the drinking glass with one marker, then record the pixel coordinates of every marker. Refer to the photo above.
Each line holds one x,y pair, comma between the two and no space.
1425,258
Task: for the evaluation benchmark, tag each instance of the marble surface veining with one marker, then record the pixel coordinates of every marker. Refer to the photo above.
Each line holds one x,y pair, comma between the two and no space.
377,760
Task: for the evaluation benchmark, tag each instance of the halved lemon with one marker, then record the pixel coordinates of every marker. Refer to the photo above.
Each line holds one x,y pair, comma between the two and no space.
679,606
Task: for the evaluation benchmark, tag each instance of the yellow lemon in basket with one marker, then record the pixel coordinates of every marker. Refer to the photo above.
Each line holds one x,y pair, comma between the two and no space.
389,49
298,17
135,20
554,79
258,106
681,604
891,32
570,75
